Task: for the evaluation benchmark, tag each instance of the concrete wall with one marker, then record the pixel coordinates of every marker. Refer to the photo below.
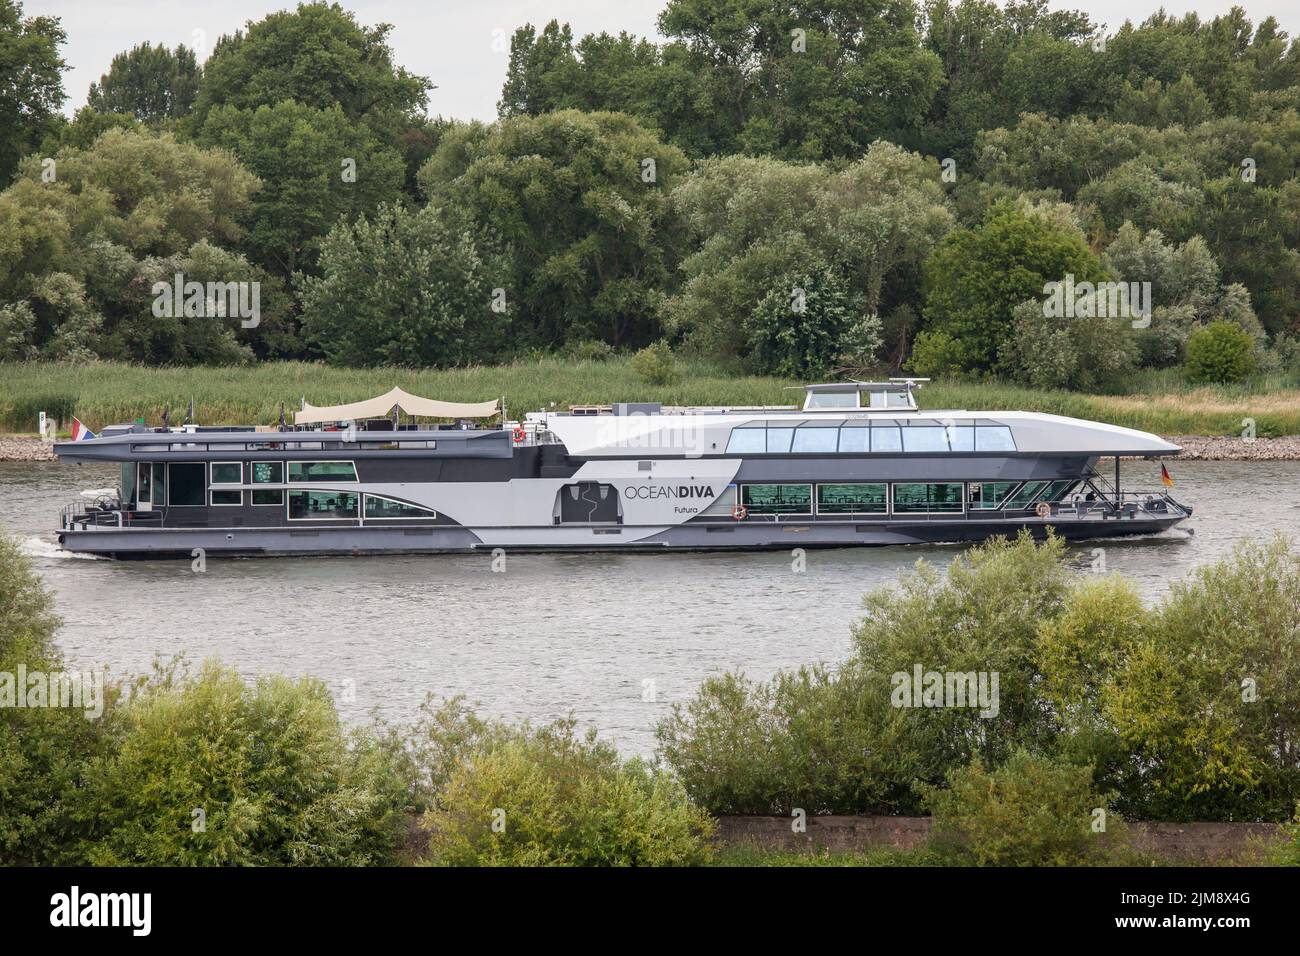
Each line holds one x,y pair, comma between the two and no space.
1185,842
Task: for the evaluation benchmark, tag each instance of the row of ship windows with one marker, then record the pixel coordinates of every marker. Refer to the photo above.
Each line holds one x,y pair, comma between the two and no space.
831,439
183,484
900,497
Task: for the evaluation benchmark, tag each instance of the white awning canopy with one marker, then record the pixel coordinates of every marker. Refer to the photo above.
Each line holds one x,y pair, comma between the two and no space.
380,407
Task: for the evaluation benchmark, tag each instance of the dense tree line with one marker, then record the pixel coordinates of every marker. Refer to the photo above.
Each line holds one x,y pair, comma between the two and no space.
843,184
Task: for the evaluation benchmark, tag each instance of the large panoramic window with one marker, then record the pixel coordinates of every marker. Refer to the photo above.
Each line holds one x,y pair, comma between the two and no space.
226,473
267,473
993,438
778,440
989,494
186,483
960,437
924,438
777,499
1057,490
855,438
1027,493
322,505
852,499
747,441
815,439
377,507
934,497
322,471
886,438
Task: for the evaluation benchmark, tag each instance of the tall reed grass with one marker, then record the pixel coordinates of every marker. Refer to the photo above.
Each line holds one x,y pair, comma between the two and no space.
102,393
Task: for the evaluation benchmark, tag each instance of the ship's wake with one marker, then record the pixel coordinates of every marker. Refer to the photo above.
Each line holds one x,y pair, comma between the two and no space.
48,549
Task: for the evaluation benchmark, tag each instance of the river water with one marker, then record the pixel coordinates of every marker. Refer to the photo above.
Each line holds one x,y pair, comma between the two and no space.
614,639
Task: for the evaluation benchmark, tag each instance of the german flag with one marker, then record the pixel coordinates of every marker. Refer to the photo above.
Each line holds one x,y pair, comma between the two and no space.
1164,477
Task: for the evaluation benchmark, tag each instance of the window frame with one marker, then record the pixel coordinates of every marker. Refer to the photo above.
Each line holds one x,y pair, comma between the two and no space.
750,508
253,482
203,483
288,503
761,450
917,433
429,513
1028,503
961,504
225,487
1015,486
810,428
327,479
817,503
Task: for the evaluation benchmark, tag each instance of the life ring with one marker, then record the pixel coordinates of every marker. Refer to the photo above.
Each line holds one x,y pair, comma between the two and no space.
739,512
518,434
1043,510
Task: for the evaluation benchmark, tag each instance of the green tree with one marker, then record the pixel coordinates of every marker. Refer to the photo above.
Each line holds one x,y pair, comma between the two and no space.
150,82
403,288
320,57
850,76
1000,61
580,200
810,323
750,219
79,256
542,71
1219,352
977,276
316,166
31,82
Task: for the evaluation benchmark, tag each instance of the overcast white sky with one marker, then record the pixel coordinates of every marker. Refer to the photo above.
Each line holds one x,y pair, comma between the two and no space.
452,43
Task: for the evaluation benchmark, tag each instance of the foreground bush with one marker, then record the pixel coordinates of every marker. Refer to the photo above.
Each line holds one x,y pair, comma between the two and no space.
1286,852
211,770
45,752
1186,711
1209,697
1031,811
819,740
549,797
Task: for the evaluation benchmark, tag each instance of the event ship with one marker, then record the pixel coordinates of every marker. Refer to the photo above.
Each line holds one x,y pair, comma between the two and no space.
857,464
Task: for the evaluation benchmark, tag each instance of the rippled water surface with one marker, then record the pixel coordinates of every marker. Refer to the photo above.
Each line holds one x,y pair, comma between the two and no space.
554,633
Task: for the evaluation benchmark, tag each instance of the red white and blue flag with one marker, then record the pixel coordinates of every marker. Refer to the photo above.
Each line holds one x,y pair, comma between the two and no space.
80,432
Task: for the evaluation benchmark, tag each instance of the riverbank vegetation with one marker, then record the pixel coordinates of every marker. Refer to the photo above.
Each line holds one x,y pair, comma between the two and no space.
795,200
101,393
1187,710
1105,710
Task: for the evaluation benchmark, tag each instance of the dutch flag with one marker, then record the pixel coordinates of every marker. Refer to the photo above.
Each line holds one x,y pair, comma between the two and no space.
80,432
